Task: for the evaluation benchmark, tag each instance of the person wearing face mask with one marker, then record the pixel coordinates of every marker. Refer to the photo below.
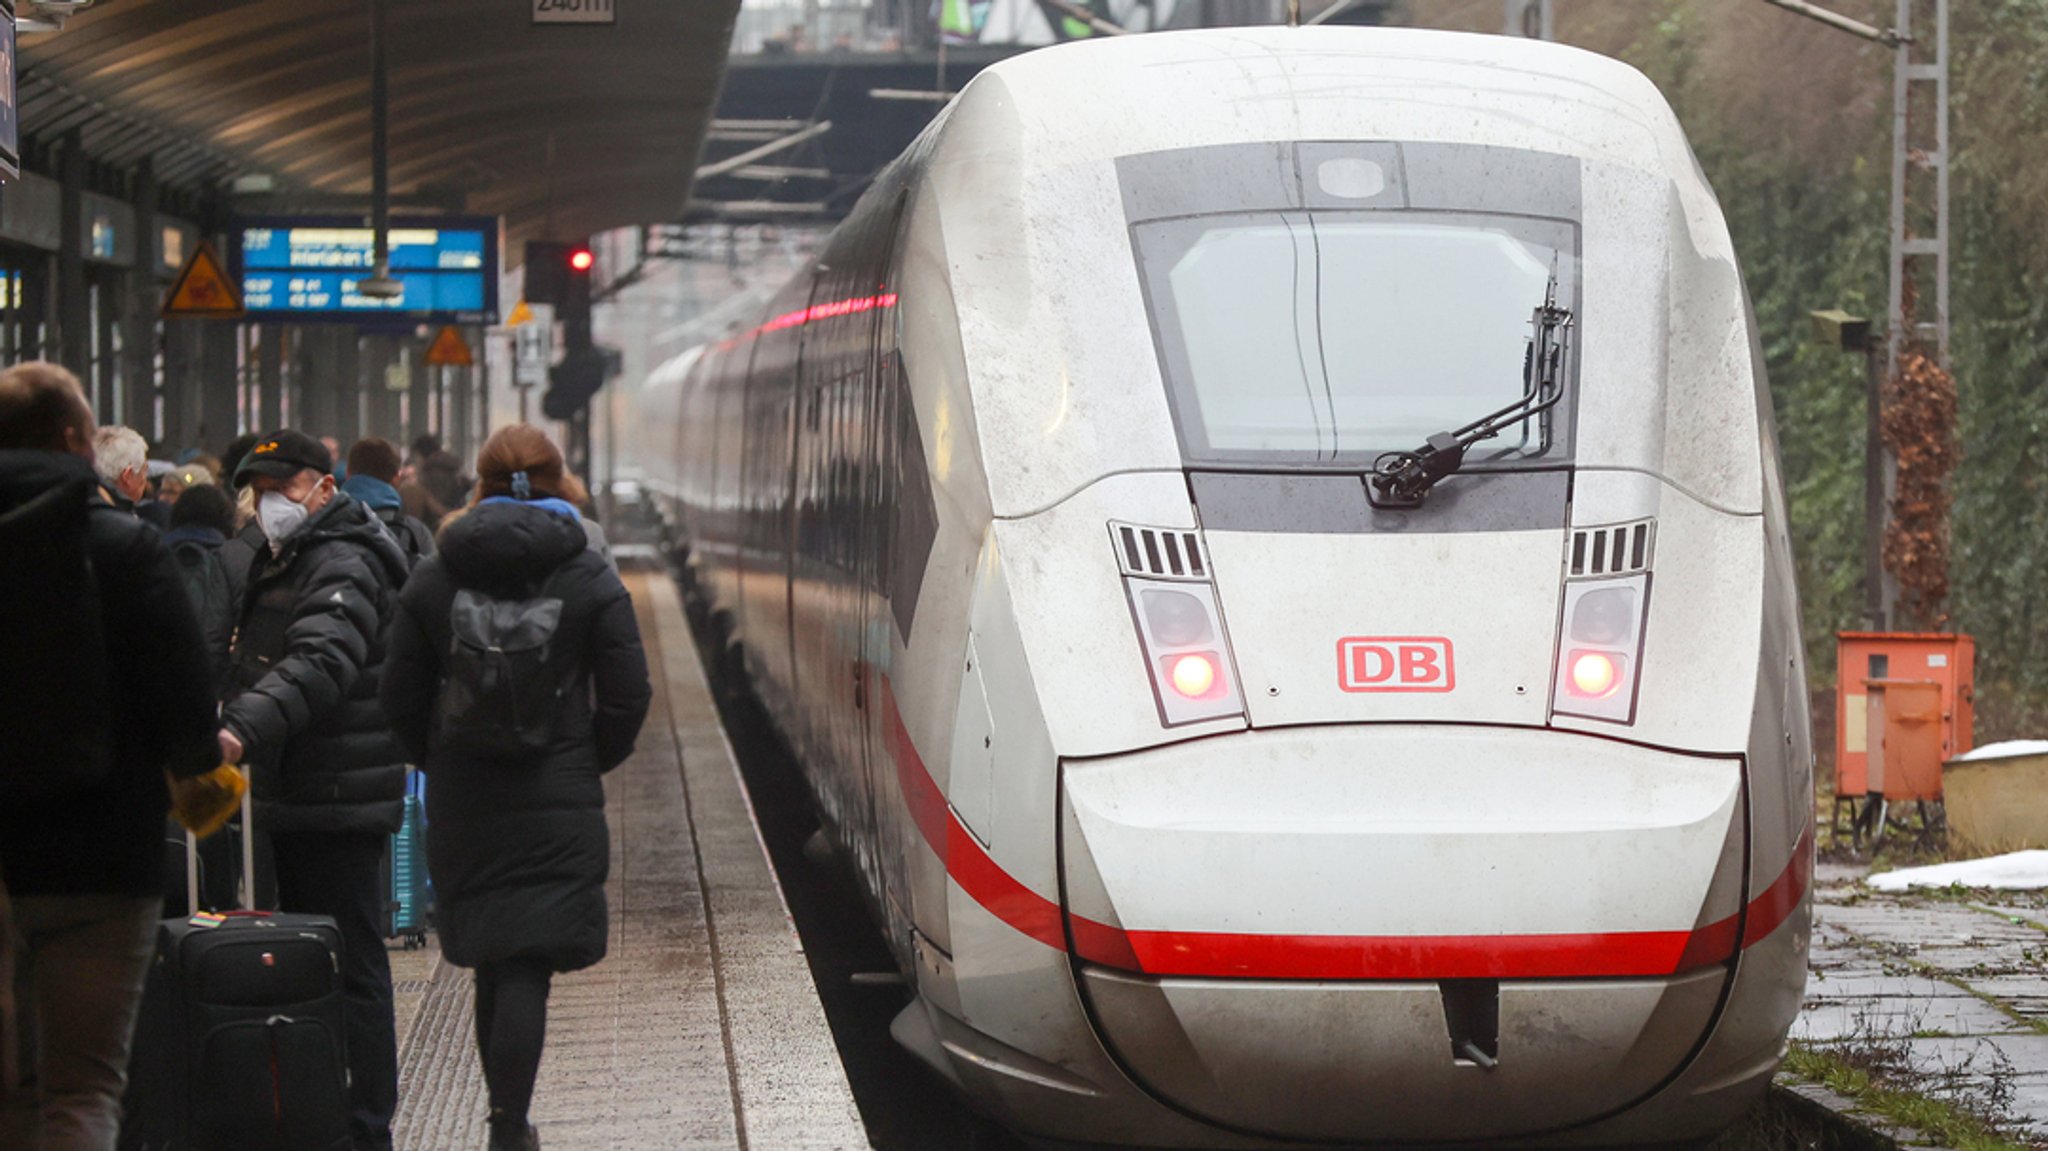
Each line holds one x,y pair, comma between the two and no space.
302,712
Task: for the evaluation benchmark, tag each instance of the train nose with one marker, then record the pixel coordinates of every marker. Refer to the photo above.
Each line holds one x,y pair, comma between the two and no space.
1402,931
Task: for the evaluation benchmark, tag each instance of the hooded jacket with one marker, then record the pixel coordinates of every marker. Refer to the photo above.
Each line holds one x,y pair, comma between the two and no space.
414,538
107,839
518,849
307,662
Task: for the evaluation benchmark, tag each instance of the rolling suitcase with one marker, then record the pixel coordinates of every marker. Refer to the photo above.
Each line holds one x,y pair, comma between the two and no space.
219,870
410,902
242,1041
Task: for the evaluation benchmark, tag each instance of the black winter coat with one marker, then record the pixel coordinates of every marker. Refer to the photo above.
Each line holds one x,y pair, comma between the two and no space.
307,663
518,849
108,839
211,589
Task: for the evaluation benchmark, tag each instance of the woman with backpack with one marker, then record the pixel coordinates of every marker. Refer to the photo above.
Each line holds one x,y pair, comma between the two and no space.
516,679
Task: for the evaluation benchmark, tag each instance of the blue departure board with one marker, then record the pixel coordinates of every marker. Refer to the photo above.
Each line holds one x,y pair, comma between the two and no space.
308,268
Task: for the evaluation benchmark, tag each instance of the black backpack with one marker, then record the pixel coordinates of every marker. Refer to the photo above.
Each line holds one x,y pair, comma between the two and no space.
413,537
506,688
211,590
56,704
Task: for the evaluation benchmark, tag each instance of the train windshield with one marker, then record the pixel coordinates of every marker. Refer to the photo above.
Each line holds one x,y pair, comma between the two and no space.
1311,337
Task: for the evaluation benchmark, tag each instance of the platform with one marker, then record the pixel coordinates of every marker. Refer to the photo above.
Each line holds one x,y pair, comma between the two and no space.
703,1028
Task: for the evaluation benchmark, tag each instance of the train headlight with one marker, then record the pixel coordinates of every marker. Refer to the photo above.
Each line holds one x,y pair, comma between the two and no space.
1600,654
1604,616
1176,617
1180,628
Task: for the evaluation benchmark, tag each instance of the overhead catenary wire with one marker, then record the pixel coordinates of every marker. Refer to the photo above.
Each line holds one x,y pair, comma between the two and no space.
1889,37
1331,13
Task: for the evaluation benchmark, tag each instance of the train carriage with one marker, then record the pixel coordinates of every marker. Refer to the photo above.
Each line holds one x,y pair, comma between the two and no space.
1268,546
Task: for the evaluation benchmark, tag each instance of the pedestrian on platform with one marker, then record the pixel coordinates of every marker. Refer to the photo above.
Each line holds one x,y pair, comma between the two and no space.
104,692
513,742
333,446
121,458
372,478
202,522
231,457
418,502
439,471
328,777
578,496
178,478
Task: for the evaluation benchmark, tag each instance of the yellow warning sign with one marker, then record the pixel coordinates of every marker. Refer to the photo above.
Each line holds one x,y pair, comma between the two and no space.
203,290
521,314
450,350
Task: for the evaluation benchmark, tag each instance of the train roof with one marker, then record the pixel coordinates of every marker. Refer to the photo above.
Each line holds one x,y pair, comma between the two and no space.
1115,96
1020,224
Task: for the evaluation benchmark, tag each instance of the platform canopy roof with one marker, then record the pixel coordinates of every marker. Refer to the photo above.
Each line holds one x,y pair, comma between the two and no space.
590,127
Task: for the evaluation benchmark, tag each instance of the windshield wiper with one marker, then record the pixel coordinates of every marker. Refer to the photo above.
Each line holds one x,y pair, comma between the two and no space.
1404,479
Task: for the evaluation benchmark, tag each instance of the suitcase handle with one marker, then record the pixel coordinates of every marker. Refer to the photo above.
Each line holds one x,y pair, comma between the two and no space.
247,890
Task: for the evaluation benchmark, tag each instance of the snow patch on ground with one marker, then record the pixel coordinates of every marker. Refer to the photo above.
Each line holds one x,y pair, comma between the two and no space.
2017,871
2006,750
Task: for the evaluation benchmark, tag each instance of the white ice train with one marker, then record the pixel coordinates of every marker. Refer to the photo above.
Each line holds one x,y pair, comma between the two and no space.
1268,545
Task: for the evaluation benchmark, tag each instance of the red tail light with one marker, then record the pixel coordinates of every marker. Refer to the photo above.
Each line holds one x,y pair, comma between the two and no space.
1194,676
1600,653
1595,674
1180,628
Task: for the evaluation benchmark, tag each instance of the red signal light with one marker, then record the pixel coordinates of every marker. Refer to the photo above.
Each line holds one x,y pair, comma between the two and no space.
581,259
1194,676
1594,674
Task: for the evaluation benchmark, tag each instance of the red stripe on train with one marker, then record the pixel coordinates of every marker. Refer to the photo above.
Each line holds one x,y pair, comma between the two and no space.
1410,957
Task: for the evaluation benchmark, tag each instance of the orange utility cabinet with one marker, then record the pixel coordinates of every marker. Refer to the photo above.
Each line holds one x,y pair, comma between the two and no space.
1901,688
1903,737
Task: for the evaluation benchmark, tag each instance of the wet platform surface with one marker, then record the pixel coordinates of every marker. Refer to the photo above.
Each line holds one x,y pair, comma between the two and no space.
1947,990
703,1028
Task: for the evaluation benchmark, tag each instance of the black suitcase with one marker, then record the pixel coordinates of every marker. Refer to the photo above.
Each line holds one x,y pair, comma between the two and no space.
242,1041
220,870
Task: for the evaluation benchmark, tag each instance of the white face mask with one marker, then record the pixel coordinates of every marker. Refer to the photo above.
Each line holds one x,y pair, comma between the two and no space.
280,516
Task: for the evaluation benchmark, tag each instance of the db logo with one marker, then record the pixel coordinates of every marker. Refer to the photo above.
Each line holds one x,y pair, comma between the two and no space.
1395,663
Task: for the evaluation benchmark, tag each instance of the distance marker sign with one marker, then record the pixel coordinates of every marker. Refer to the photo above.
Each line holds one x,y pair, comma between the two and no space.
576,11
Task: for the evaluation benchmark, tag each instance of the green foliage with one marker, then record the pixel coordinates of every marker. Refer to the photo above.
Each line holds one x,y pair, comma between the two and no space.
1878,1089
1792,125
2000,285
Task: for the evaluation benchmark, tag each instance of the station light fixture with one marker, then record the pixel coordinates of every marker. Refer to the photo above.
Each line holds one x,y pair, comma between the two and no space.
573,382
47,15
